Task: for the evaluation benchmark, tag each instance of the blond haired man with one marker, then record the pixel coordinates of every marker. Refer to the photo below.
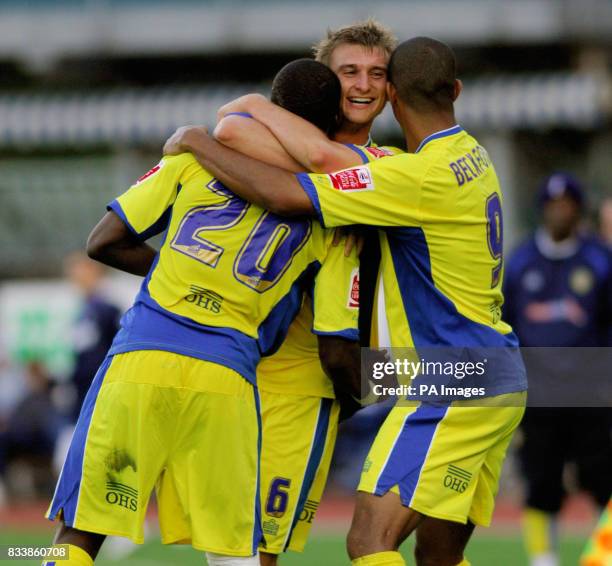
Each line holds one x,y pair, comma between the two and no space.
358,54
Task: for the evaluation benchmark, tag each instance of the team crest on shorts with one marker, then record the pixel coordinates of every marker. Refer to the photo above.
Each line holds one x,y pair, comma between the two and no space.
355,179
270,527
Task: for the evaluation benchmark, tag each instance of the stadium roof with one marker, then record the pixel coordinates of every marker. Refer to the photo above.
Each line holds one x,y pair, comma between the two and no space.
140,116
44,31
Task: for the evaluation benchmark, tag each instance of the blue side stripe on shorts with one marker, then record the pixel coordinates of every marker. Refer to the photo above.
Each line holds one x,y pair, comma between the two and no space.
258,529
316,454
408,455
67,491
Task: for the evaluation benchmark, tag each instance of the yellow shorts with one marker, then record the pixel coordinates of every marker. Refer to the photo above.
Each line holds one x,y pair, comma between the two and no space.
444,461
187,427
299,433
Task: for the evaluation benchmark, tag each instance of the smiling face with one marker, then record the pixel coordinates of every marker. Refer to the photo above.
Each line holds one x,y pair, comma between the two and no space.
363,76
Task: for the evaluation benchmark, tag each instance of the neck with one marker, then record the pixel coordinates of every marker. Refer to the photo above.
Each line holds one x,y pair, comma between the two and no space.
556,249
417,126
560,237
357,134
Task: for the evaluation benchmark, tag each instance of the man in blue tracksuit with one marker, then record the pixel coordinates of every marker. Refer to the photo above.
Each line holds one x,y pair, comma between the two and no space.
558,291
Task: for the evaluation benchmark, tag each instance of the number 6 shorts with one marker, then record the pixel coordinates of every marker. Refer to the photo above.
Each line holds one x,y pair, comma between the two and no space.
444,461
299,434
186,427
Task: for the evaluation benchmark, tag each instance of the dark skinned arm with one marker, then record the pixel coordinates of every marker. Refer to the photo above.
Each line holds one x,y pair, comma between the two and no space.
341,360
272,188
111,242
301,139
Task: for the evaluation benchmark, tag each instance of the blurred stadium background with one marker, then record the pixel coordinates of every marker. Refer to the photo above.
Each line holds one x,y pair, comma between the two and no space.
89,90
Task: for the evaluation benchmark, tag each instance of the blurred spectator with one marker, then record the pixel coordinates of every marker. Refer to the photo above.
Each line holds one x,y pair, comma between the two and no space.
11,387
96,324
32,428
605,221
558,286
94,328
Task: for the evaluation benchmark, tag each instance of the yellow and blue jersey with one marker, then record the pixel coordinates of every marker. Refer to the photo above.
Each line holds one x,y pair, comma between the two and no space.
295,369
229,277
441,213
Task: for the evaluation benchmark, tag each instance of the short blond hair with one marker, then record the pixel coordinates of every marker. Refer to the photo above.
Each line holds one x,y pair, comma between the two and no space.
369,33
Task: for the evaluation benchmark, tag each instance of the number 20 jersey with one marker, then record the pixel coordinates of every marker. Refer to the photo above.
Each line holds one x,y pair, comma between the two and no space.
440,215
229,276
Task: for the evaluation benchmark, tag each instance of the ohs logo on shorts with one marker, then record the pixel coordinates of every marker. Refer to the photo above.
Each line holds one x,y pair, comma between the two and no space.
122,495
456,479
308,513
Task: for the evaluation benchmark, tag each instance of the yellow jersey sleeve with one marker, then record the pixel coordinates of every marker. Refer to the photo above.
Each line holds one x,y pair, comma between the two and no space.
145,206
366,194
336,295
369,153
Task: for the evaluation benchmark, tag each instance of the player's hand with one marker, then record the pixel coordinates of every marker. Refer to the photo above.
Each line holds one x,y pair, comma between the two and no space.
245,103
354,240
179,141
348,404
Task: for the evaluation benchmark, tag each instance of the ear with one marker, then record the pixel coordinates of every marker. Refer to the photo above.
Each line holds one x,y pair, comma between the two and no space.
457,90
391,94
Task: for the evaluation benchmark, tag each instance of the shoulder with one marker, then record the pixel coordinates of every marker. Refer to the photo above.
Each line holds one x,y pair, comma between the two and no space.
181,163
380,151
180,159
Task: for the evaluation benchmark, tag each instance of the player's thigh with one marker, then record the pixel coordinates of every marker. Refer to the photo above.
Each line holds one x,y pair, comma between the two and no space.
119,447
487,482
460,478
299,434
208,492
432,455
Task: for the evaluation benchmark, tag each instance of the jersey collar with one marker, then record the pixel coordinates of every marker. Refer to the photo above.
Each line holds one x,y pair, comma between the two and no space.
441,134
555,250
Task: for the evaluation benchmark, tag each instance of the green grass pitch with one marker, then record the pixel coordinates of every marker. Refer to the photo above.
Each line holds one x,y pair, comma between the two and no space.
483,550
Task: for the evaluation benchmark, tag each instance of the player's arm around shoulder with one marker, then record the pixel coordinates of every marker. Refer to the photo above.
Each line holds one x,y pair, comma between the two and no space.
241,132
304,142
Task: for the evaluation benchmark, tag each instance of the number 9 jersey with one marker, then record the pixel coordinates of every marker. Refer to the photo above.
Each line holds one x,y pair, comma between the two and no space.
441,241
229,277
